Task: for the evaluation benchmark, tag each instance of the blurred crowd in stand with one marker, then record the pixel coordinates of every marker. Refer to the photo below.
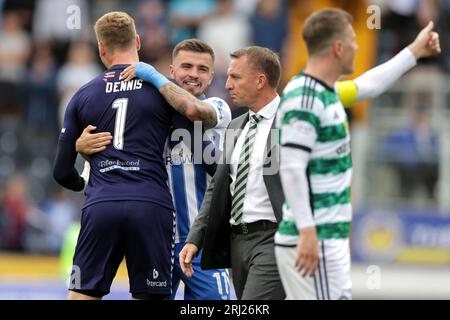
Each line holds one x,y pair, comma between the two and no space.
48,51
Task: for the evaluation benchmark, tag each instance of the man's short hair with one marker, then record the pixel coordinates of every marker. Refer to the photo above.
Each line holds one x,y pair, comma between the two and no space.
116,30
323,27
262,59
194,45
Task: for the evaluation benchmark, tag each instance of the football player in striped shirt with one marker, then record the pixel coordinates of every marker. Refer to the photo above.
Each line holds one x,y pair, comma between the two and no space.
192,71
312,242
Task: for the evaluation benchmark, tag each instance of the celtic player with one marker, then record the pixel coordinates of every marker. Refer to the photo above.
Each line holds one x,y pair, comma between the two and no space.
312,242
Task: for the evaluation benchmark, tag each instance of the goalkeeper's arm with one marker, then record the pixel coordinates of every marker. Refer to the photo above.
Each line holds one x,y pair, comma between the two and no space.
64,171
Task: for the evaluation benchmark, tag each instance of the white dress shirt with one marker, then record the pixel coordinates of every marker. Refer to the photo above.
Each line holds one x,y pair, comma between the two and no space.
257,205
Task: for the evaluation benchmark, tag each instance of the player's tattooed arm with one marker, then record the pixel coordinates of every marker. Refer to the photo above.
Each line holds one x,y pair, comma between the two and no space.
188,105
180,99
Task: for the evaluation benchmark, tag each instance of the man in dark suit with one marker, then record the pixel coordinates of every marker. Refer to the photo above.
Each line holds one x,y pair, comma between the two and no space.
242,206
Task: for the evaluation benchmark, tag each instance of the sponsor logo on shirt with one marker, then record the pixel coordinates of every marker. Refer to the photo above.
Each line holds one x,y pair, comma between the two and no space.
344,148
109,165
152,283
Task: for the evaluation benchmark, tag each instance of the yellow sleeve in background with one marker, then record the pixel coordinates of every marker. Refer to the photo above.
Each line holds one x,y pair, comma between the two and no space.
347,92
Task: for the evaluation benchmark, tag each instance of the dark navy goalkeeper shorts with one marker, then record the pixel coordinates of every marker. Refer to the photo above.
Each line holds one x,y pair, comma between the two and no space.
142,232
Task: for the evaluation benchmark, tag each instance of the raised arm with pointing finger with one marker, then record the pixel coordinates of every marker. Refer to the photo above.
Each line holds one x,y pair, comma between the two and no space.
312,242
378,79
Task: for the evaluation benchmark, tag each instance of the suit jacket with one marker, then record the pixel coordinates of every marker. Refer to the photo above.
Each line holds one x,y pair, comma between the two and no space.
211,229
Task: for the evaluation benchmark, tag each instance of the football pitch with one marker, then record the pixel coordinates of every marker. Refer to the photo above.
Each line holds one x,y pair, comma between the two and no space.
38,278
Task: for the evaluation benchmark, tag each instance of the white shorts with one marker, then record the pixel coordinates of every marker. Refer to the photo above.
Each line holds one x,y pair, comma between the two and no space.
332,279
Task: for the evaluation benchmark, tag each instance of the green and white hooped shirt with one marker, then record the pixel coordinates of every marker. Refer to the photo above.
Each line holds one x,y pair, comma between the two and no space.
312,117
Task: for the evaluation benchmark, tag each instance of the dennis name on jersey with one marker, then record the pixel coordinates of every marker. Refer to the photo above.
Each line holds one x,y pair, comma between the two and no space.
119,86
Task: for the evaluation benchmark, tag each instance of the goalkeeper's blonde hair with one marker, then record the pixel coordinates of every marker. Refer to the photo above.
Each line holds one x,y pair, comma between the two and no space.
116,30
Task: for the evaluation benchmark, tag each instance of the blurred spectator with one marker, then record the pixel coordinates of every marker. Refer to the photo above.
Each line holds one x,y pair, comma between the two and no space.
61,22
25,227
54,21
186,16
14,52
24,8
414,153
100,7
427,11
1,15
269,24
79,69
40,98
403,19
22,5
60,213
153,28
34,238
225,32
15,205
246,7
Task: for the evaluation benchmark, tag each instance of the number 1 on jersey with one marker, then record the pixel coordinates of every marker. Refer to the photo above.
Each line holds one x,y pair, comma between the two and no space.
121,116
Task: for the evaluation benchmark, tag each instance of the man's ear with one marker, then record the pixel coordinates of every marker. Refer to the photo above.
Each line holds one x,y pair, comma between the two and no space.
338,48
261,81
171,71
101,49
138,42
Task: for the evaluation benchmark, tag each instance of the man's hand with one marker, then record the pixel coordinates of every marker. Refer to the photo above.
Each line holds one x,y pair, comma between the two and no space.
146,72
128,73
307,252
89,143
187,254
426,43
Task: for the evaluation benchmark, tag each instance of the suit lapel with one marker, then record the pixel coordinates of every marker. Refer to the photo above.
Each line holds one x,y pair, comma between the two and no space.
271,140
239,125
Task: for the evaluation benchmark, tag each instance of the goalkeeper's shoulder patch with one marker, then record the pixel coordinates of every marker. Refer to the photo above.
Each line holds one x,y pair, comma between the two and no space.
347,92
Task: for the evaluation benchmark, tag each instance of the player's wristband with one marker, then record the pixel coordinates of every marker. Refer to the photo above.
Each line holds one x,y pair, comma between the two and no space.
149,74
